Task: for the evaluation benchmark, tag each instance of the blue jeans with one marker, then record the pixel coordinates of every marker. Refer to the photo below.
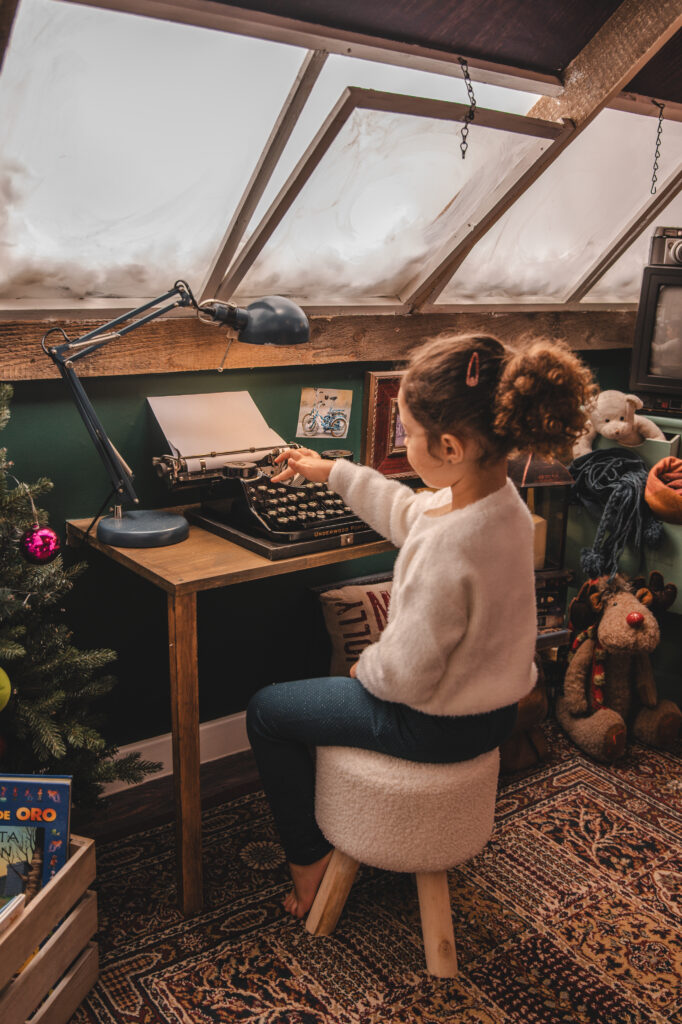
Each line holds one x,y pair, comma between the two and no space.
286,721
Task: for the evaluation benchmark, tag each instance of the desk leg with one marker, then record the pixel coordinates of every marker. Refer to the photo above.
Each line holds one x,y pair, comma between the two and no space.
184,684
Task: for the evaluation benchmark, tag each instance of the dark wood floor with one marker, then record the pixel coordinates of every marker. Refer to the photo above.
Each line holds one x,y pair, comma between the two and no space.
150,804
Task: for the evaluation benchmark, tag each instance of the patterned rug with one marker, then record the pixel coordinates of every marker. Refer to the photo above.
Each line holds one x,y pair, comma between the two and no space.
572,913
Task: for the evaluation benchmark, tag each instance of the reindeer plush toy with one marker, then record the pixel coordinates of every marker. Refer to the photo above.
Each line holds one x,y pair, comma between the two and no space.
609,685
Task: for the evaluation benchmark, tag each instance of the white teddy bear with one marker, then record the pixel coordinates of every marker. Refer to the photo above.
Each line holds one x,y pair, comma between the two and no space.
612,415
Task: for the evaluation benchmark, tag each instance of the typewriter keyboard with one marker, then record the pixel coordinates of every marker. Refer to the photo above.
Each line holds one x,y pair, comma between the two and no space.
306,510
281,519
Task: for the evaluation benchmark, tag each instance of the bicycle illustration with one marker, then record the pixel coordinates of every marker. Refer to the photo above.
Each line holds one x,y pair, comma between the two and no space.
334,422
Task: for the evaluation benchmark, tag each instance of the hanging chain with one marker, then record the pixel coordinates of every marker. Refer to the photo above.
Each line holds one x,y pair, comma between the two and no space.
471,113
657,153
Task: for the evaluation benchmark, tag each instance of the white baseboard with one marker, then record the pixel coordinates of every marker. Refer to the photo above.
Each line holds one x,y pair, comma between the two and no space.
217,738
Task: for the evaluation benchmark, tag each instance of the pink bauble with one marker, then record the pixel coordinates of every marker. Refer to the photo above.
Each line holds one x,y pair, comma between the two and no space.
39,544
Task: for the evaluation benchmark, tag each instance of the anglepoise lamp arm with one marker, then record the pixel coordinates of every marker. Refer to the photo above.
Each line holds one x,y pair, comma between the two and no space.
270,321
120,474
66,354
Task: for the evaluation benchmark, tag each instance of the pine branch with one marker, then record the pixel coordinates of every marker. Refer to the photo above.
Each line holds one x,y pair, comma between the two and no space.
65,666
97,687
90,661
130,768
46,736
85,738
49,703
11,650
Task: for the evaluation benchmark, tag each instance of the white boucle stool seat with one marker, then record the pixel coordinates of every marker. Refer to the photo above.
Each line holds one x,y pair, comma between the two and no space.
402,816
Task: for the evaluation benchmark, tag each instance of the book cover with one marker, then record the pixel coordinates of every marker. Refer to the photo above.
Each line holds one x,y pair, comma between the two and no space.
34,832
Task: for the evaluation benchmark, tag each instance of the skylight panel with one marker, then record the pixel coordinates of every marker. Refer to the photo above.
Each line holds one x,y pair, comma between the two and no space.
340,72
389,192
125,145
623,281
563,223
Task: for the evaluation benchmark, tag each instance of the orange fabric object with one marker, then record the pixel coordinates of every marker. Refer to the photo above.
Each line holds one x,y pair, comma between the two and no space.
663,492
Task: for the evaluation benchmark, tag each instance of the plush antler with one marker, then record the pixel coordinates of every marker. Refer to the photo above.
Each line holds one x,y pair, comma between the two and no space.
582,612
663,594
586,608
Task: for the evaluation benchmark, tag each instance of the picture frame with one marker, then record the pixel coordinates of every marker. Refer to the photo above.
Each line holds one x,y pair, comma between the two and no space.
383,436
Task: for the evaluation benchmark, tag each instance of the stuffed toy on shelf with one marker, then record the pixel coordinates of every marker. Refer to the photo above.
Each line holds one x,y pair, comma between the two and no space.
613,414
609,688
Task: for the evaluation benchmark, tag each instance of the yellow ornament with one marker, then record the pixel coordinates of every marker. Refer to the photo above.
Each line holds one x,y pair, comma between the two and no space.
5,689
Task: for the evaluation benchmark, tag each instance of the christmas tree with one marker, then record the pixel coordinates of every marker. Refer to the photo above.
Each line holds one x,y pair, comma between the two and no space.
48,688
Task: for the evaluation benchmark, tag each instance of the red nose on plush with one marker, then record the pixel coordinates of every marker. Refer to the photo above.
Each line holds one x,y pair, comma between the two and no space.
634,619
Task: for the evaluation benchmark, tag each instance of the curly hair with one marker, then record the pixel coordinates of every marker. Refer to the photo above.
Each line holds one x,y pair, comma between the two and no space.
532,399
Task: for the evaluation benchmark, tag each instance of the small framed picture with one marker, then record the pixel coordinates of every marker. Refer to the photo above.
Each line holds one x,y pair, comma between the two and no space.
324,412
383,434
396,432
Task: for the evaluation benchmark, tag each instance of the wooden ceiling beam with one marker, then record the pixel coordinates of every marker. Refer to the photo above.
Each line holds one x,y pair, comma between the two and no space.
226,18
633,34
623,45
635,103
183,344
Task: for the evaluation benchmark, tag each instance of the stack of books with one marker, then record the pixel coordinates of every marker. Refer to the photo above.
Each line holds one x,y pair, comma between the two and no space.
34,837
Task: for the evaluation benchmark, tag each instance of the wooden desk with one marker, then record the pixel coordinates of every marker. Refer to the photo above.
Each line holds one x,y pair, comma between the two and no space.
202,562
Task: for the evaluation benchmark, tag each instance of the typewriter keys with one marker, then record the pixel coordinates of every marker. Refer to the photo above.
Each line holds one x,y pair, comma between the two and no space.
277,518
302,509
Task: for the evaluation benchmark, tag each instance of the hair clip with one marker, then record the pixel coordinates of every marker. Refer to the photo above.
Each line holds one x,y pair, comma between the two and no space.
471,379
526,468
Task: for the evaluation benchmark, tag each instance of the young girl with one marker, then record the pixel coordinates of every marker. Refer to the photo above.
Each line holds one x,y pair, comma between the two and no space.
443,682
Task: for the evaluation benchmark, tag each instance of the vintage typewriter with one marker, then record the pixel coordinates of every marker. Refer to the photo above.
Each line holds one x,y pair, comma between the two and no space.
242,503
277,519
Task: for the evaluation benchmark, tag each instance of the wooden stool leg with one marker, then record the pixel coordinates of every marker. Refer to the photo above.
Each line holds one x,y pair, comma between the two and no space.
436,915
332,894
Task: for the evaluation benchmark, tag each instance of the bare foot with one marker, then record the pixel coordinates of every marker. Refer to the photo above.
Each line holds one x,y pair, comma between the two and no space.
306,879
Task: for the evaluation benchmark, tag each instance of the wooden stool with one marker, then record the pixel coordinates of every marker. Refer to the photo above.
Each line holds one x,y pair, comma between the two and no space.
402,816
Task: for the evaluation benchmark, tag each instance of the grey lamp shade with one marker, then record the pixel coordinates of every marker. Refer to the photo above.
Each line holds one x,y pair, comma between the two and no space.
275,320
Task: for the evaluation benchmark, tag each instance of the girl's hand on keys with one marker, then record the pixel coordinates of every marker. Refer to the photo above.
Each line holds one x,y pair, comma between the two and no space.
305,462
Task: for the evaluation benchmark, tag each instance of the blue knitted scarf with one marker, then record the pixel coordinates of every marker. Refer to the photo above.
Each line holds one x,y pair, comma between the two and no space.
610,483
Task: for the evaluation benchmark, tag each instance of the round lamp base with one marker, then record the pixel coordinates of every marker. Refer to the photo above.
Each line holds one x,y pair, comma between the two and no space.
140,528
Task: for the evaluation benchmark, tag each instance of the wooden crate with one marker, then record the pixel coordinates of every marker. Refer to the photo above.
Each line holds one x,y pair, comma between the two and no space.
63,970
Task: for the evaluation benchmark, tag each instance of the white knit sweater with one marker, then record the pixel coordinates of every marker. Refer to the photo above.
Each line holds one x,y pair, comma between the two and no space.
461,630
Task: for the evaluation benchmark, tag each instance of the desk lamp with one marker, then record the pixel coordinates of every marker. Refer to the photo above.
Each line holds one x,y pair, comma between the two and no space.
273,320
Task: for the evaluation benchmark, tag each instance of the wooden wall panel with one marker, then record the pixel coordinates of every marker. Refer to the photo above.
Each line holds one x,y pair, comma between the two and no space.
183,344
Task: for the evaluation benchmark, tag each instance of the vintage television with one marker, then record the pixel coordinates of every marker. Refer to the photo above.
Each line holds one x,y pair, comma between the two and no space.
656,367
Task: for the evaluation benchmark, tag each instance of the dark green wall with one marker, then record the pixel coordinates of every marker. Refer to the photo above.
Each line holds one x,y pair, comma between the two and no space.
611,367
249,635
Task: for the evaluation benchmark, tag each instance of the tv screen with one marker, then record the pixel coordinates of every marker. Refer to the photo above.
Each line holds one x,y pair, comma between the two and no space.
656,367
665,355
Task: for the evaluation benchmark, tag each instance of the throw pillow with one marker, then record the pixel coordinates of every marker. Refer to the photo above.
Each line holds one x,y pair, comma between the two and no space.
355,617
